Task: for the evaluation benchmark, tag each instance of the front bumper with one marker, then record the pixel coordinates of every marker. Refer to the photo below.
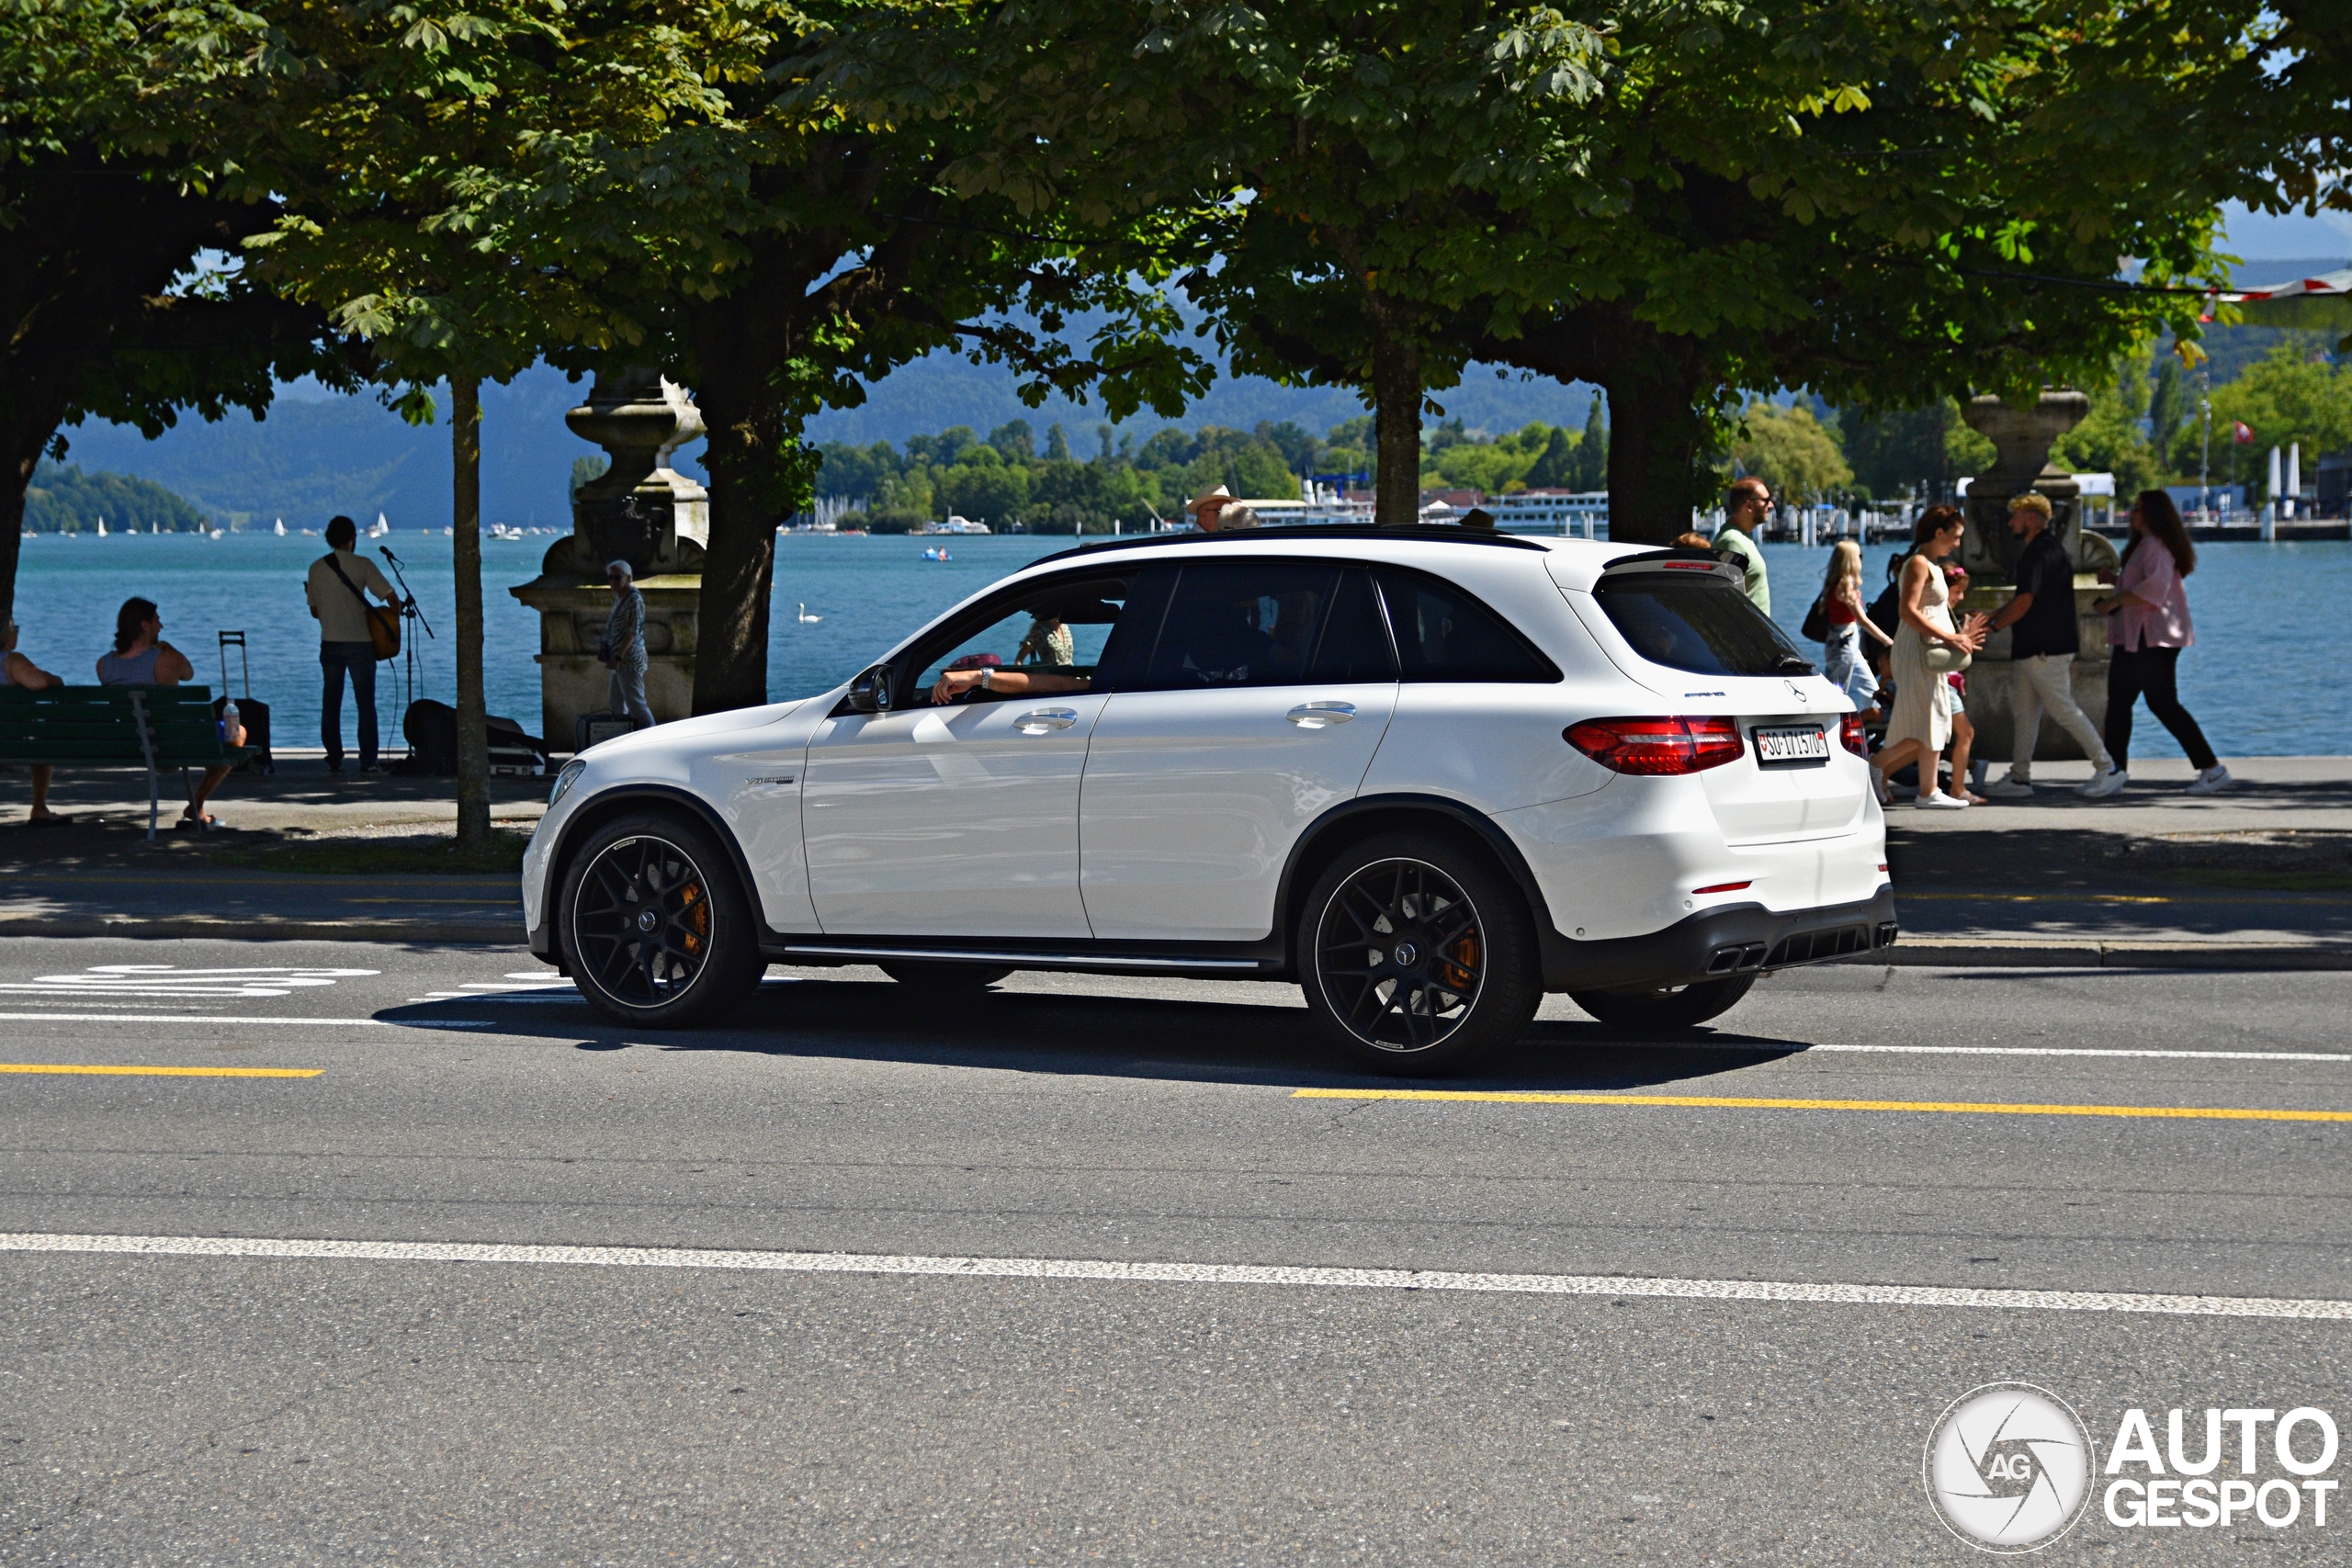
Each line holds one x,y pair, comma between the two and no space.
1737,939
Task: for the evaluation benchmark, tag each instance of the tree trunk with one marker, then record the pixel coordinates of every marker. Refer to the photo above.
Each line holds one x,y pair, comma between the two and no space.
473,732
18,475
1397,422
1656,431
747,458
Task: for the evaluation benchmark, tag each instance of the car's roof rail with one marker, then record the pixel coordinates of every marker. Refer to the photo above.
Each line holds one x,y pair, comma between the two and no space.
1437,533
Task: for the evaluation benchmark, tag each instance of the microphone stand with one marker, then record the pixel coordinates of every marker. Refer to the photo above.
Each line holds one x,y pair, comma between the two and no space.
408,644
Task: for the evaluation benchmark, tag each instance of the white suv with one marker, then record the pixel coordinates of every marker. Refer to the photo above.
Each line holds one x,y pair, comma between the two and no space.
1427,775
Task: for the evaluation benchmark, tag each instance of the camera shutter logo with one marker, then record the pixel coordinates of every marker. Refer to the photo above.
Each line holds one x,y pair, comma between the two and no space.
2009,1467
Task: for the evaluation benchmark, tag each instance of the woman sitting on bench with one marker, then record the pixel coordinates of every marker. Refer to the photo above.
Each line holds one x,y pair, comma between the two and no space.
141,658
16,670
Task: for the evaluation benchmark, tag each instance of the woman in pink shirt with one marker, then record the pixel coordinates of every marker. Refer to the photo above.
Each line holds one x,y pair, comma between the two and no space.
2147,626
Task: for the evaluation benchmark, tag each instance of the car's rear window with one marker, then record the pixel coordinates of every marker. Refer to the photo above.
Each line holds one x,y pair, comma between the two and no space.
1697,623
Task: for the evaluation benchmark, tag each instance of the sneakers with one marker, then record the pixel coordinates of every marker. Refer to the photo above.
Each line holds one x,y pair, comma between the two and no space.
2213,781
2103,785
2010,789
1937,800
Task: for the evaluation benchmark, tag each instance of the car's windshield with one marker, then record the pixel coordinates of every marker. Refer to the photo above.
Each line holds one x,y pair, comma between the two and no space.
1697,623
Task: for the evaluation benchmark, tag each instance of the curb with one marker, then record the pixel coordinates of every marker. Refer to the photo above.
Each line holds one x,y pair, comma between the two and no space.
501,933
2213,955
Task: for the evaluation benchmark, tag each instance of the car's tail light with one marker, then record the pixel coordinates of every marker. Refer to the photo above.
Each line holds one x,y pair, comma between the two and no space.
1656,745
1849,733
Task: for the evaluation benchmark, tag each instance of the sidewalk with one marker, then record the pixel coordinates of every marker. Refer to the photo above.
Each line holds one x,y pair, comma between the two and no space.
2259,878
100,877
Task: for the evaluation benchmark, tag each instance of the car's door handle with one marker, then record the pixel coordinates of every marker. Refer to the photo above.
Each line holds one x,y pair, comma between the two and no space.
1045,721
1320,716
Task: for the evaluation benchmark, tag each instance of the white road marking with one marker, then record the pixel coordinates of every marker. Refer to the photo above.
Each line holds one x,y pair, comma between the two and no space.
1988,1051
166,980
1790,1290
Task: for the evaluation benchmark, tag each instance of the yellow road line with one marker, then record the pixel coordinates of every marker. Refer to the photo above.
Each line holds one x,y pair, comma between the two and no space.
1746,1102
163,1072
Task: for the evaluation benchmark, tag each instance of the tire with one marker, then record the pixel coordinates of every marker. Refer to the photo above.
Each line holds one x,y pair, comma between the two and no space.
937,974
655,925
1667,1008
1418,954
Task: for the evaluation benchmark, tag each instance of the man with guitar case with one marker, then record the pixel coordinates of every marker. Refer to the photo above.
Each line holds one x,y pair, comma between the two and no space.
353,635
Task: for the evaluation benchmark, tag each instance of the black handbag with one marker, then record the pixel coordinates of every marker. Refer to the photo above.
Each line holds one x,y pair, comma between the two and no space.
1817,623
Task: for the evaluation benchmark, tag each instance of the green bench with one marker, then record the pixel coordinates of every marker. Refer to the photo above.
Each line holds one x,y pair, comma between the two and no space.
154,727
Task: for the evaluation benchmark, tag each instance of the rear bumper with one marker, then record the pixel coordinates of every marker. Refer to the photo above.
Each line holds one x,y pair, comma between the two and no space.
1737,939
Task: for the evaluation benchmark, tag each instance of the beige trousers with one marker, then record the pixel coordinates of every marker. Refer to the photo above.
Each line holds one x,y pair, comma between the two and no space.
2047,680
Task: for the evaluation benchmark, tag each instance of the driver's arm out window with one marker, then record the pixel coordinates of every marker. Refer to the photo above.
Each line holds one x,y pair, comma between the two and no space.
1058,629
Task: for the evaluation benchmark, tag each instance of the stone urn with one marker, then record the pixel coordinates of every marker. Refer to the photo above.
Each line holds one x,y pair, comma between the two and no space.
2021,439
640,511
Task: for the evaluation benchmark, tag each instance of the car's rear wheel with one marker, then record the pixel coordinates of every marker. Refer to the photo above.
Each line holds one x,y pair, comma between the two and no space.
1663,1009
940,975
1418,954
657,929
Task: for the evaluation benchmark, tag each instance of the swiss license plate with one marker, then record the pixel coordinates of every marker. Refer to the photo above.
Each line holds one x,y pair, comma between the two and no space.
1793,746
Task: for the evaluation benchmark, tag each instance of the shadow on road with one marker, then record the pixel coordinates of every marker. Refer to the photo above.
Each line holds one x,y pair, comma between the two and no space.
1169,1039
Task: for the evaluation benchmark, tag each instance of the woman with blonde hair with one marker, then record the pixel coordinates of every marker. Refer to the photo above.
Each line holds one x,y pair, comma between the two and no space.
1844,659
1921,724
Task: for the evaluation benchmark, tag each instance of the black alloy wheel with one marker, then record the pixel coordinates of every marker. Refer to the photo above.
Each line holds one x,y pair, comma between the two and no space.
1665,1009
1419,956
656,928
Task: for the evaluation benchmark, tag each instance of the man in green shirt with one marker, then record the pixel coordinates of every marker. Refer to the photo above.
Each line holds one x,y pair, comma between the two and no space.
1746,505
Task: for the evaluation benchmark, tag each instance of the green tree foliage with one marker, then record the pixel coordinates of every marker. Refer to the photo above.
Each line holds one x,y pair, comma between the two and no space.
1117,490
1555,466
2109,440
1791,450
2286,398
124,129
1592,452
63,499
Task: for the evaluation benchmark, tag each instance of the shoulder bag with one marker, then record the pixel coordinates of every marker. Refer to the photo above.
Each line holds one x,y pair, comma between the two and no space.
1817,622
383,622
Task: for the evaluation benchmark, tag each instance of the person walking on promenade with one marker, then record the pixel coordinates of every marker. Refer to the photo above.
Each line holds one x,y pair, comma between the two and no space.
16,670
2044,639
2147,626
338,587
1844,656
1921,724
624,646
141,658
1746,505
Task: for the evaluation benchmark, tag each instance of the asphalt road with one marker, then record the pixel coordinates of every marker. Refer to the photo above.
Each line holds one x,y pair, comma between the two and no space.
446,1400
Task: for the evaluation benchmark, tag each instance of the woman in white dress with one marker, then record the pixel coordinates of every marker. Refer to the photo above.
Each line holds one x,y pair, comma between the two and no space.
1921,724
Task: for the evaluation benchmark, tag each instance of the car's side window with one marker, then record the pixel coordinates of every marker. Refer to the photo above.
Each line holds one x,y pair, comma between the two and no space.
1443,633
1056,630
1267,624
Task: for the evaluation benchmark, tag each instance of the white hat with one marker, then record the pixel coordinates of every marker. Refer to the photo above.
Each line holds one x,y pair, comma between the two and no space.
620,565
1220,494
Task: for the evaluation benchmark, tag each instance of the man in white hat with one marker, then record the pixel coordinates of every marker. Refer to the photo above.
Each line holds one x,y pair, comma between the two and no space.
1216,509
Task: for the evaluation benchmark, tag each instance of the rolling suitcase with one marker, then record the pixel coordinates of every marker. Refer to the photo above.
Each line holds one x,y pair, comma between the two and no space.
253,713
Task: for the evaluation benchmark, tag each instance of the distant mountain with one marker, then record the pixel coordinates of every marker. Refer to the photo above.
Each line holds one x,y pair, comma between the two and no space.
64,500
318,454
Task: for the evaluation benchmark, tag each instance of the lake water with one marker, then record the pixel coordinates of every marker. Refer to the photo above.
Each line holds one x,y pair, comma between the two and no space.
2255,694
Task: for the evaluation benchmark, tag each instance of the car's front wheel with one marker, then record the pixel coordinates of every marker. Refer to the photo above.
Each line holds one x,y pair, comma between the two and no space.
1418,954
1664,1008
657,929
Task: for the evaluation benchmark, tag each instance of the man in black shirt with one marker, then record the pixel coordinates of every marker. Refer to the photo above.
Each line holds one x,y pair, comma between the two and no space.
2043,640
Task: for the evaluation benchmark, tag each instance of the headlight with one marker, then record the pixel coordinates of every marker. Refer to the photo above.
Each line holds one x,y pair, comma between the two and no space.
565,780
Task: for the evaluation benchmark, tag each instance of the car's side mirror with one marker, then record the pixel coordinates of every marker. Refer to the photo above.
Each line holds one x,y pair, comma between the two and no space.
870,693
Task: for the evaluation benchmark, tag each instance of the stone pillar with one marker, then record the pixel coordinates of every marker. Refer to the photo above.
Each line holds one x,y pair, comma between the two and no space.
2022,439
639,511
